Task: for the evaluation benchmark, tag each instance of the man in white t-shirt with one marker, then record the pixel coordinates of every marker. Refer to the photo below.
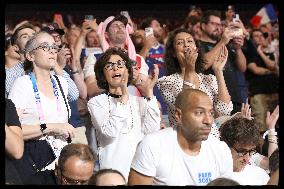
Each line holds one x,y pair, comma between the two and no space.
185,155
242,136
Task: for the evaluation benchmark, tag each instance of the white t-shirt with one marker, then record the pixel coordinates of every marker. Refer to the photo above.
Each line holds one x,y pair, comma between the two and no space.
90,63
251,175
120,127
160,156
22,94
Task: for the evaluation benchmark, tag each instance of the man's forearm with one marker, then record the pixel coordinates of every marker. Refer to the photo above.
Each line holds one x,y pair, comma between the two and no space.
241,60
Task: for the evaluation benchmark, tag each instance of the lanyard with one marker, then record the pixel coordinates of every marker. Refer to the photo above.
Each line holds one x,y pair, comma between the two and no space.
37,97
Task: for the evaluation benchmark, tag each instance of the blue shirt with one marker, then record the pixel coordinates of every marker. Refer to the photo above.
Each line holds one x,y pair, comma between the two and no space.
156,56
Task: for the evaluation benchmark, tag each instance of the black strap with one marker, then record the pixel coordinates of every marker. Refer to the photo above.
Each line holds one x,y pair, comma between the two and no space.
62,93
69,138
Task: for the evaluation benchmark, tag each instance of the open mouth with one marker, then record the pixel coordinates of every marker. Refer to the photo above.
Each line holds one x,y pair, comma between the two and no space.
116,75
51,58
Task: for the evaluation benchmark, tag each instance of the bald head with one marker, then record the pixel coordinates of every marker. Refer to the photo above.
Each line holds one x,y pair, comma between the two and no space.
186,96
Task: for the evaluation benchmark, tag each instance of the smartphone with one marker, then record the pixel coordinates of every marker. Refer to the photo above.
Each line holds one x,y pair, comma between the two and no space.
149,31
236,17
89,17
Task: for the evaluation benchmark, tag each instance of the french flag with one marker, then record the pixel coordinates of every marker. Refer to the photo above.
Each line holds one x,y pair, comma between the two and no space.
265,15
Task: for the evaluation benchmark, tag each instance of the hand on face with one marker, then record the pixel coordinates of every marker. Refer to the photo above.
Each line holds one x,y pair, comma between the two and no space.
189,57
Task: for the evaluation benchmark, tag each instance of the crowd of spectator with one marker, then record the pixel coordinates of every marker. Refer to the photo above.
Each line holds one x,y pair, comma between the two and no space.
137,101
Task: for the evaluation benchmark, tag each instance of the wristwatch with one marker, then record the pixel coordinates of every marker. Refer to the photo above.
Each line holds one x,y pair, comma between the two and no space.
43,128
74,72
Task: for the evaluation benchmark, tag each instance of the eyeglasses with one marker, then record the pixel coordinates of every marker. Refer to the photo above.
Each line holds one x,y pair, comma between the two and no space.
46,47
242,153
120,64
70,181
215,24
56,36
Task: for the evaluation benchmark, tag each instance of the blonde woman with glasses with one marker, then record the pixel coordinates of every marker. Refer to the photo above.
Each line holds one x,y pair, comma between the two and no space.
40,99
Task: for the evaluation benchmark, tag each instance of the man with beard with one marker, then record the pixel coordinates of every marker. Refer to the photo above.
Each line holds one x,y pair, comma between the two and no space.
114,32
186,154
210,45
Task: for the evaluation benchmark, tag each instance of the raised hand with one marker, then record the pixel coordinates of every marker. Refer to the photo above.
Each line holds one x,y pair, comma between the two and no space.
63,55
238,42
221,60
89,25
271,119
227,35
150,41
246,110
123,86
151,81
124,78
135,75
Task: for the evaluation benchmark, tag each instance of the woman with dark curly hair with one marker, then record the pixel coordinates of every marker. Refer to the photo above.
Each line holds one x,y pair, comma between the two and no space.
120,119
180,60
242,136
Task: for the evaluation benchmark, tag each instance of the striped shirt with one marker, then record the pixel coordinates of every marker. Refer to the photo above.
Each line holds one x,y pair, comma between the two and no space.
18,70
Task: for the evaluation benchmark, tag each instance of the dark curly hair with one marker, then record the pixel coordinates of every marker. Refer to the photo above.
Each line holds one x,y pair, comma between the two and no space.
240,130
102,61
171,61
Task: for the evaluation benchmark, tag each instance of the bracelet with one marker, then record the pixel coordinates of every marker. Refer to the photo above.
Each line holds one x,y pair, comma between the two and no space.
270,132
272,138
77,71
43,128
274,142
187,83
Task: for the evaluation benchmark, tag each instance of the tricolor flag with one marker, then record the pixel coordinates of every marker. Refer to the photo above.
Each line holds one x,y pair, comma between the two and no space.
265,15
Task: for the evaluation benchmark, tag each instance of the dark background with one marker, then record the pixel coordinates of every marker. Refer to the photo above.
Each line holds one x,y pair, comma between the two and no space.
165,12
